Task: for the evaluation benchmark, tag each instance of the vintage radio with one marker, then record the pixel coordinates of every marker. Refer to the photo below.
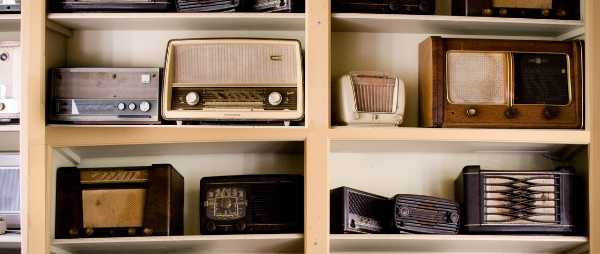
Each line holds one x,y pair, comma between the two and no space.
10,6
385,6
556,9
119,201
10,203
424,215
274,5
105,95
517,201
251,204
500,83
354,211
10,81
110,5
207,5
369,98
233,80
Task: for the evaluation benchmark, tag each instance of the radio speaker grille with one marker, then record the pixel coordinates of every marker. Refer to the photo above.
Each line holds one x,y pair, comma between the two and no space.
9,190
522,199
374,94
477,78
235,63
364,205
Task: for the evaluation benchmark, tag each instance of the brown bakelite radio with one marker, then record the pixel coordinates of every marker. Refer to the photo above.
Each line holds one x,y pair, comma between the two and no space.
500,83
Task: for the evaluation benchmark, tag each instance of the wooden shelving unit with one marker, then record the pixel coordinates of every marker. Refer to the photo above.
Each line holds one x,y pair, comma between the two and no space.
408,159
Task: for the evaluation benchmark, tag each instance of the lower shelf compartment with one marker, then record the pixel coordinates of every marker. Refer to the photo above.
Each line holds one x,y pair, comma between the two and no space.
454,243
268,243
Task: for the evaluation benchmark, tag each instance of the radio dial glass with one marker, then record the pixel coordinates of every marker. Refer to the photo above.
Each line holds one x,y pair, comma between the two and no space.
226,203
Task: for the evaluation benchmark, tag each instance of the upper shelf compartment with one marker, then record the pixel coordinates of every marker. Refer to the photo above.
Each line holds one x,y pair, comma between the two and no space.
456,25
180,21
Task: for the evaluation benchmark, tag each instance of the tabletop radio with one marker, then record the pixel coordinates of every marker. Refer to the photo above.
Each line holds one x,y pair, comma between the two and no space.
500,83
10,6
557,9
105,95
369,98
385,6
251,204
512,202
10,81
10,198
110,5
207,5
119,201
355,211
233,80
424,215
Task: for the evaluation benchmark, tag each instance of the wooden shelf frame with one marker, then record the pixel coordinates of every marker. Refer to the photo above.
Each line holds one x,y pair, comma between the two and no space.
38,140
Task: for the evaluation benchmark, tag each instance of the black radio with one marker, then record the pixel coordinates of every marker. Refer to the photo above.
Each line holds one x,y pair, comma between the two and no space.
251,204
385,6
425,215
354,211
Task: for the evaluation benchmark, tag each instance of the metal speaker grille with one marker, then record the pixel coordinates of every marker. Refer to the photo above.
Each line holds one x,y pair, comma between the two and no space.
477,78
364,205
235,63
9,190
374,93
521,199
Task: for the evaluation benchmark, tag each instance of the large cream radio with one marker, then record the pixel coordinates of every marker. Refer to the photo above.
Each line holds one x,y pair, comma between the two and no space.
233,80
10,81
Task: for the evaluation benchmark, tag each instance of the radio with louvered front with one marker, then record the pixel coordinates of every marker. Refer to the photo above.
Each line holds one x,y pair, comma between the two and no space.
517,202
424,215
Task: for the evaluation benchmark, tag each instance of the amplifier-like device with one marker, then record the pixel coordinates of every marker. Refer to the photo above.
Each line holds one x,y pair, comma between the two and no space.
10,6
355,211
233,80
110,5
424,215
10,81
369,98
385,6
251,204
105,95
517,202
119,201
10,198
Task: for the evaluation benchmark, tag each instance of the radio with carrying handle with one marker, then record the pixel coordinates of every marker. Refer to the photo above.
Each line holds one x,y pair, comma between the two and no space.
555,9
500,83
119,201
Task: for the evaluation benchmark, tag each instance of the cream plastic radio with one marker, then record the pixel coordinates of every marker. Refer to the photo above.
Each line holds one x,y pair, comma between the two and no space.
369,98
233,80
10,81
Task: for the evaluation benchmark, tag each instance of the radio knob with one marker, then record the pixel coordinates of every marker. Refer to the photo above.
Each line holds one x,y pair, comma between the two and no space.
546,12
2,106
551,112
275,98
192,98
503,12
211,226
472,112
487,12
560,12
89,231
145,106
121,106
240,226
132,106
511,113
148,231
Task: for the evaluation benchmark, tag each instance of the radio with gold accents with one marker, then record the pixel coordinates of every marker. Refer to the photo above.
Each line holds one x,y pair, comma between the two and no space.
556,9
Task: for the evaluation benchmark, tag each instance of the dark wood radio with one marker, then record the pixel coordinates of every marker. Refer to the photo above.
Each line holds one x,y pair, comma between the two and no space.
555,9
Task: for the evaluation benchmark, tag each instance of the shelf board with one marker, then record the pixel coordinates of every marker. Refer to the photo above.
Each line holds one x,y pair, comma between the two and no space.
273,243
454,243
73,135
180,21
455,25
10,22
10,241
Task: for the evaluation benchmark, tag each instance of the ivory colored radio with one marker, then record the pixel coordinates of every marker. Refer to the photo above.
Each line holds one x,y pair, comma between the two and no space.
233,80
369,98
10,198
10,81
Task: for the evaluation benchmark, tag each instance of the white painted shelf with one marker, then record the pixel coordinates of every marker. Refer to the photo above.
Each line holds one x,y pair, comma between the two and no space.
274,243
180,21
10,22
10,241
456,25
454,243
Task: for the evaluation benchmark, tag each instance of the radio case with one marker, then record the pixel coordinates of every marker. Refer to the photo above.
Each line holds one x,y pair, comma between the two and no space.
547,9
517,202
500,83
119,201
207,5
10,6
418,214
10,81
252,204
110,5
354,211
423,7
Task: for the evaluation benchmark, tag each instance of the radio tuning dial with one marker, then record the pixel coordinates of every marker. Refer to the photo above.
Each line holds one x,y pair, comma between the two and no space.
121,106
192,98
132,106
275,98
145,106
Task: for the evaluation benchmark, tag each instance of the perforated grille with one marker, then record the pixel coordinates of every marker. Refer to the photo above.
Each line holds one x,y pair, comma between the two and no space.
9,190
477,78
363,205
522,199
374,93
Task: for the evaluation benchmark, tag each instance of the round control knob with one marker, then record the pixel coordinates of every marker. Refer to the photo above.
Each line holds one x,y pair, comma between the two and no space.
472,112
2,106
275,98
404,212
121,106
73,232
145,106
192,98
211,226
132,106
487,12
131,231
425,7
561,13
503,12
511,113
148,231
4,57
240,226
89,231
352,223
551,112
453,217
